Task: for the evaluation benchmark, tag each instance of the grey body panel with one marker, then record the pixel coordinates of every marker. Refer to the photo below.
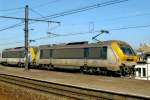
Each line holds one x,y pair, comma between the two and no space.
111,63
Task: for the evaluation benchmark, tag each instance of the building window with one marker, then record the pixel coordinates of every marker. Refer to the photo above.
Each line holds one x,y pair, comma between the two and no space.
144,72
139,71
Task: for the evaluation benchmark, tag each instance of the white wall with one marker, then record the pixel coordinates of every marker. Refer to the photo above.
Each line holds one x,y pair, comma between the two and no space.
147,71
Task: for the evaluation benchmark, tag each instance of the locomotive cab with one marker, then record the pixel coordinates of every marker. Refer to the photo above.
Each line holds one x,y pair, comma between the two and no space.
127,57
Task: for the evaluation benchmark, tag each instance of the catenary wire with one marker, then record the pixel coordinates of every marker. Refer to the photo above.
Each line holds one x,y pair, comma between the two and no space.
45,4
79,10
36,12
69,12
80,33
12,26
11,9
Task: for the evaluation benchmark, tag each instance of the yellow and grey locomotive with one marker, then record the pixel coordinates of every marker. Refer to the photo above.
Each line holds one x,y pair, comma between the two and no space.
104,57
16,56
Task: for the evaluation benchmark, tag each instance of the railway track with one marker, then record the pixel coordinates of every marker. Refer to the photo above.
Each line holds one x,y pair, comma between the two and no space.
67,90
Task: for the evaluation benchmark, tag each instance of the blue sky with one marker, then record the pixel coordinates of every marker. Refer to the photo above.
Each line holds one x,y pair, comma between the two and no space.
126,14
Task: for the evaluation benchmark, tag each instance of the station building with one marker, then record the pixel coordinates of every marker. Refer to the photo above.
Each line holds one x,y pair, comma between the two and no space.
143,68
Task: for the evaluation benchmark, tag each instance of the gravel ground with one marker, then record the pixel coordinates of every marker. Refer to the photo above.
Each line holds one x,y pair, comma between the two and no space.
121,85
13,92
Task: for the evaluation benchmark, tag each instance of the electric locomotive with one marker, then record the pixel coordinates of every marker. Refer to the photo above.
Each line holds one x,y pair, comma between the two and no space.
105,57
16,56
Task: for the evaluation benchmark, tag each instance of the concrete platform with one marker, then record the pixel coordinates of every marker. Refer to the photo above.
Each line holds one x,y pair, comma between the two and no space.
119,85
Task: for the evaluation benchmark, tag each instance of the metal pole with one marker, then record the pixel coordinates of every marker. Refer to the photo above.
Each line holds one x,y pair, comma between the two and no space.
147,71
26,38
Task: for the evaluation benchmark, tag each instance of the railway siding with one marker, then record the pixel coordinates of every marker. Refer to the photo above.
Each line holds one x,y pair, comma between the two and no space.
67,90
82,83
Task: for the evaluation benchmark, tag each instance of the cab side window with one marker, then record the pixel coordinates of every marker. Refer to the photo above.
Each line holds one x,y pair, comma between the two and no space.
86,52
103,52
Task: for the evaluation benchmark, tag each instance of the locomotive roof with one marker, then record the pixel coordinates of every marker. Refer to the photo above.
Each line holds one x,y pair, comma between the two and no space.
122,43
86,44
16,49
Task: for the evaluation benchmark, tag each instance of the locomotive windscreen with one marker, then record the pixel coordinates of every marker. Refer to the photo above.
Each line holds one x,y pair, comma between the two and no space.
127,50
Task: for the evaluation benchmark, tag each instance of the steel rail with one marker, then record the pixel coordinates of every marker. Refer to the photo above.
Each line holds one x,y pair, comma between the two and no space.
70,91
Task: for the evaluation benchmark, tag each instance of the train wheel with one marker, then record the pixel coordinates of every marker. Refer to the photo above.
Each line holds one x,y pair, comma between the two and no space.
44,66
98,70
51,67
91,70
38,66
22,65
83,69
109,73
124,71
116,73
18,64
102,71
